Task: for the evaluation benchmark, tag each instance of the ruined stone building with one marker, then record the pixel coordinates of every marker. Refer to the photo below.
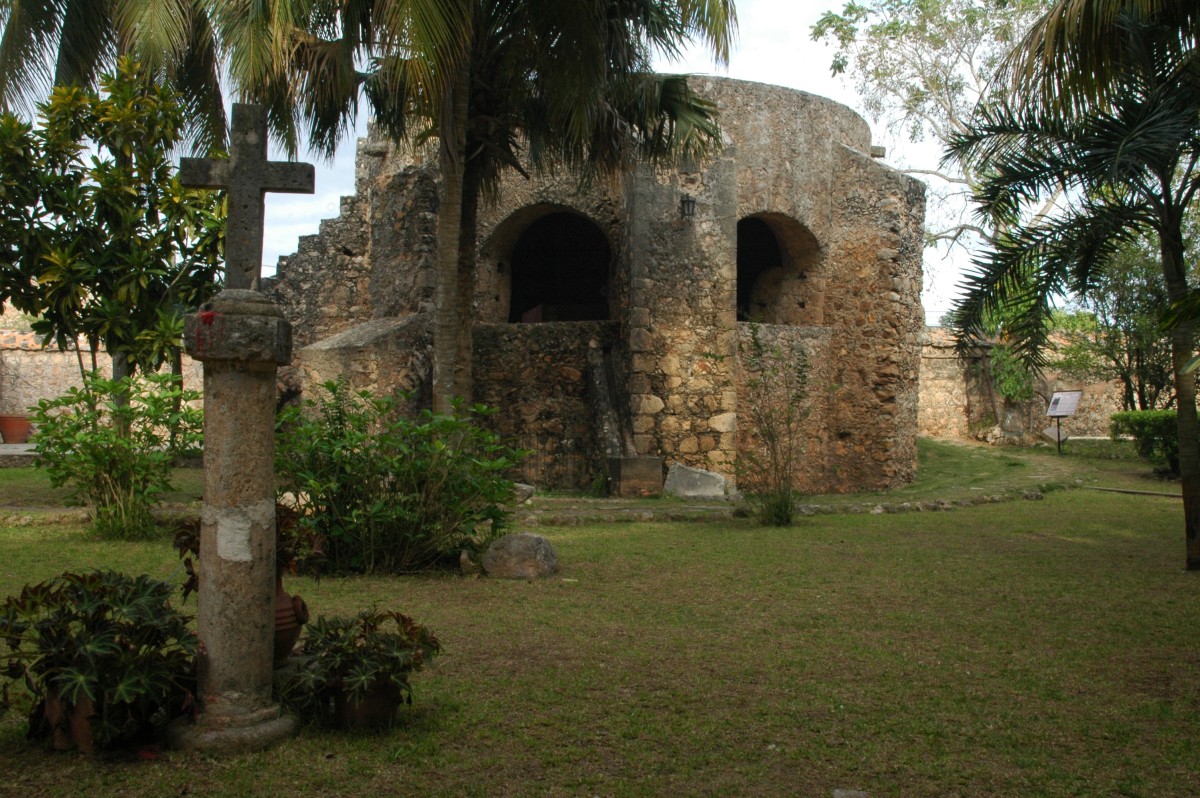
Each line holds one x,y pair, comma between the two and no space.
608,321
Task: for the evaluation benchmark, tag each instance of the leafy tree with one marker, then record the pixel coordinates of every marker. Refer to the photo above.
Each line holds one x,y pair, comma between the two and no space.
1115,335
498,83
48,43
97,237
1130,164
923,67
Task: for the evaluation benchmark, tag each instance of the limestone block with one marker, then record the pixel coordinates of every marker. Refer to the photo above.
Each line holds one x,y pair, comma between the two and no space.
520,556
723,422
690,482
646,404
640,340
239,324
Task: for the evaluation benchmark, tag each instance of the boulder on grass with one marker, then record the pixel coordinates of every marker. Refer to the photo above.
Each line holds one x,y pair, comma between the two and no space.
690,482
523,555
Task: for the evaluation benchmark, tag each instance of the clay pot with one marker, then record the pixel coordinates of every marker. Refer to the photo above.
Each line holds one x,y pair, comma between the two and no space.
376,710
290,614
69,729
15,429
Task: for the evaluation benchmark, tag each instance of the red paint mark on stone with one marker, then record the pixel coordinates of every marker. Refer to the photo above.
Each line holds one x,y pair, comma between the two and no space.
207,317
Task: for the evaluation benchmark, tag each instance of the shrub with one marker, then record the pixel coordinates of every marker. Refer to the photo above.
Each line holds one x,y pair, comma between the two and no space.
105,641
114,442
1154,431
384,493
775,400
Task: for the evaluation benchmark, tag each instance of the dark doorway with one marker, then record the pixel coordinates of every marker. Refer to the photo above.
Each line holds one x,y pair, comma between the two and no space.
560,271
757,253
779,272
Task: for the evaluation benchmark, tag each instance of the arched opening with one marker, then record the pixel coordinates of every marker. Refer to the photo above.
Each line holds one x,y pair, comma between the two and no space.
560,271
777,260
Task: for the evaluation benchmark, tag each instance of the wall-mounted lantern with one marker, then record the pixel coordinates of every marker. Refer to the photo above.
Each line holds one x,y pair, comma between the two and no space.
687,206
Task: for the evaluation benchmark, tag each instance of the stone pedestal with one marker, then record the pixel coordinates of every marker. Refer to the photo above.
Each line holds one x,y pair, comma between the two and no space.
241,338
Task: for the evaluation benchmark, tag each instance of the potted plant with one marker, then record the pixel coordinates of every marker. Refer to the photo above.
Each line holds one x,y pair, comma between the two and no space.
353,672
97,660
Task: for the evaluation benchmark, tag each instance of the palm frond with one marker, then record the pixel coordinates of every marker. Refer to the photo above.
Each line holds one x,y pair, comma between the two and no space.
87,43
157,32
1073,56
30,28
1028,267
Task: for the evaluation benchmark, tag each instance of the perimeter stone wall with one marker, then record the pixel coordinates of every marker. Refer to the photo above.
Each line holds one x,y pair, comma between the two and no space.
957,402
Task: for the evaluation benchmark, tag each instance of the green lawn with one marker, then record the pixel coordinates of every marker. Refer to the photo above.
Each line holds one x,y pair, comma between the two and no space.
1018,649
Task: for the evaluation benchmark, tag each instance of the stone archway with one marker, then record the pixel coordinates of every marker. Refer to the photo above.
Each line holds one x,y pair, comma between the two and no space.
552,264
778,275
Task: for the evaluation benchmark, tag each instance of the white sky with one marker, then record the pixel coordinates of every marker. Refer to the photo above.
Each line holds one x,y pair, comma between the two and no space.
773,46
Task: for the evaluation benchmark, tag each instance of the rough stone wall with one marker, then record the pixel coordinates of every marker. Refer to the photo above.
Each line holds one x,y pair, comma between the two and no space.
680,323
848,228
958,402
325,285
383,356
29,372
813,474
872,302
802,167
943,405
535,377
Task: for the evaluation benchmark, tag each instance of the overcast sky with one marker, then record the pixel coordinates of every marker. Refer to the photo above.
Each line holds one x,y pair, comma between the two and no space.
773,46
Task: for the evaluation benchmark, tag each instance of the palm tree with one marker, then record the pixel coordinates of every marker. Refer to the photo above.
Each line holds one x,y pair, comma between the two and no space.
497,82
1073,57
1130,165
46,43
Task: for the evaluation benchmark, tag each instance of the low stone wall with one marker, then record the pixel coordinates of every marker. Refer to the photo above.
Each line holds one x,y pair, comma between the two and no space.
556,419
814,434
30,372
956,400
942,411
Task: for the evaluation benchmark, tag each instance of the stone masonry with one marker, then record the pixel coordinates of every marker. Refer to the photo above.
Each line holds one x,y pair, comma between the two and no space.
953,403
796,226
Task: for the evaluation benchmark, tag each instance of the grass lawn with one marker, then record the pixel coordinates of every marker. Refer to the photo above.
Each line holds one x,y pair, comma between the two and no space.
1029,648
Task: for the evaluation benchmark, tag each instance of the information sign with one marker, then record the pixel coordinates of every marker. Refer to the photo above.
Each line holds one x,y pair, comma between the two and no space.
1063,404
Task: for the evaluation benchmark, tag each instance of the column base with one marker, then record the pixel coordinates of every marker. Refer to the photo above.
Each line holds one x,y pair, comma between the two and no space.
254,731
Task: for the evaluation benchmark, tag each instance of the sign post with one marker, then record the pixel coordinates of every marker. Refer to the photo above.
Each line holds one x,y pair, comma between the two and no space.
1062,405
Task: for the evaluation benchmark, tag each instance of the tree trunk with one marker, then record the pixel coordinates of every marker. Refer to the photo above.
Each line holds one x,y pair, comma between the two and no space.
1182,342
452,155
122,367
467,235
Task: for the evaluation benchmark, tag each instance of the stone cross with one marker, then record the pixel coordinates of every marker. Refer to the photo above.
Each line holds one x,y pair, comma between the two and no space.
246,175
241,338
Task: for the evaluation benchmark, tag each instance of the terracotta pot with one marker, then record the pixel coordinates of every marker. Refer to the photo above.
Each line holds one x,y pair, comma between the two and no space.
290,614
376,710
15,429
69,729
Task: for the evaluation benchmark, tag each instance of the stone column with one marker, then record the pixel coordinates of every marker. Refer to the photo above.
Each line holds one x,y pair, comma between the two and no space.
241,337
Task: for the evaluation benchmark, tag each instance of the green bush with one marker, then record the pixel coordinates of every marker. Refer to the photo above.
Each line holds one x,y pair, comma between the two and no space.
386,494
1155,432
114,442
104,642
